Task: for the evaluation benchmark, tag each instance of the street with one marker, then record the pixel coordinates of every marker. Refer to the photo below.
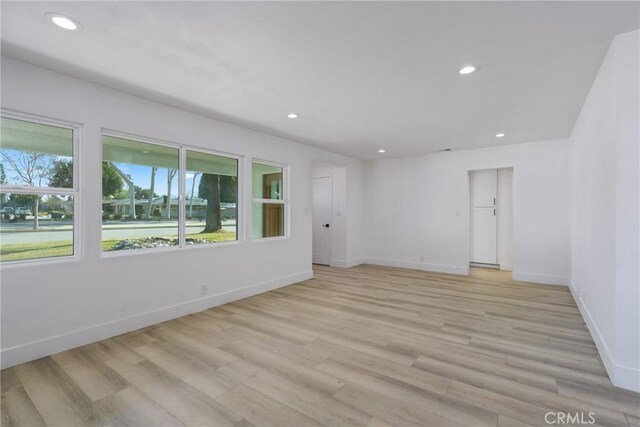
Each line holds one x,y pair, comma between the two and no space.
24,234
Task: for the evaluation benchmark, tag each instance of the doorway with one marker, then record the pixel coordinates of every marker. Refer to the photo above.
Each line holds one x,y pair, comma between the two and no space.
322,209
491,218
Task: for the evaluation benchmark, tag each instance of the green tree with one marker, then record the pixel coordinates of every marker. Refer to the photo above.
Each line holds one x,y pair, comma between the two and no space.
61,174
26,200
143,193
112,183
3,180
54,203
228,189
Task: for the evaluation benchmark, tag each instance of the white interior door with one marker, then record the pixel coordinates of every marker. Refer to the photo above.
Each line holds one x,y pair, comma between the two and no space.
322,220
485,236
485,187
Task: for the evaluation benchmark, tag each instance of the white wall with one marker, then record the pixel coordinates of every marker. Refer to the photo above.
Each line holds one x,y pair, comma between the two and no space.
419,207
605,255
48,307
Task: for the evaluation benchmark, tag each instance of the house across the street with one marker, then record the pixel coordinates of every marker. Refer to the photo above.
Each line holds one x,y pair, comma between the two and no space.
196,209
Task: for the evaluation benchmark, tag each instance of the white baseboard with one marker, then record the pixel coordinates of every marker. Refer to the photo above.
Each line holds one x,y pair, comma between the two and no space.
603,349
540,278
451,269
347,264
621,376
626,377
506,267
44,347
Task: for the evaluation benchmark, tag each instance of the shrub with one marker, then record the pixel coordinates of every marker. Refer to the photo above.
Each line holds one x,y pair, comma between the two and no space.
117,216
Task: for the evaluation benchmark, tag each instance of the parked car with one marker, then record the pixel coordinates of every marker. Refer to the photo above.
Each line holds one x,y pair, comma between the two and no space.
7,210
23,211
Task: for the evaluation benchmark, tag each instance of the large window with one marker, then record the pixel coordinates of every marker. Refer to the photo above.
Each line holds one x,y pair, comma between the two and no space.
38,188
269,201
140,203
150,201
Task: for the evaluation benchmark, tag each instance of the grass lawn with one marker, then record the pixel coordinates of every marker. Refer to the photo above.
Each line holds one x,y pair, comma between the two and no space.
35,250
65,248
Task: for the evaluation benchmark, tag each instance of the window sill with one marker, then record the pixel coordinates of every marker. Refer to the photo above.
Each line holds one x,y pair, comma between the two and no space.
35,262
127,252
269,239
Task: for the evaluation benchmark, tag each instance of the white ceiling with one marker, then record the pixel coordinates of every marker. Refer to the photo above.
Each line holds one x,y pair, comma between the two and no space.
362,75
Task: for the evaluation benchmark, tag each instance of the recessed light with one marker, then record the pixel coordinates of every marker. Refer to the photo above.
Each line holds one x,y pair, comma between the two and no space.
63,21
292,115
467,69
499,135
382,151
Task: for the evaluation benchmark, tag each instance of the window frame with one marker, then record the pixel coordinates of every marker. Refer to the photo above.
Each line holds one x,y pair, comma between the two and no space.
182,163
285,201
239,193
75,191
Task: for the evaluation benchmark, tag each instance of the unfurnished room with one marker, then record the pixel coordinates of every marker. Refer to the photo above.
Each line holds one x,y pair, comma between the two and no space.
320,213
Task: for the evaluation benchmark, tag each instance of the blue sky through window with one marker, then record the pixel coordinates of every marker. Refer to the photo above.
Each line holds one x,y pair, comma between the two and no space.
141,176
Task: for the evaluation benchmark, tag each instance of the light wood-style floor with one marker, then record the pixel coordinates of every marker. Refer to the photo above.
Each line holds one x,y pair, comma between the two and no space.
367,346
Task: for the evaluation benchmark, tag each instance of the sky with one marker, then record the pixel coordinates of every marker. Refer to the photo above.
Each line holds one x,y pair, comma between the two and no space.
141,176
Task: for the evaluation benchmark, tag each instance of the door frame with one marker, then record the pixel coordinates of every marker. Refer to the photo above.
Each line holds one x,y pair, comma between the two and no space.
331,228
513,215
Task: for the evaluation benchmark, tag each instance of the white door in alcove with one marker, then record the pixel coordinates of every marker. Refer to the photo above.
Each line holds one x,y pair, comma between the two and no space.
485,235
483,193
322,195
485,187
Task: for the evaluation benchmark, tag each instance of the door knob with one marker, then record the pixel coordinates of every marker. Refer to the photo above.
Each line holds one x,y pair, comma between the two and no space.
325,225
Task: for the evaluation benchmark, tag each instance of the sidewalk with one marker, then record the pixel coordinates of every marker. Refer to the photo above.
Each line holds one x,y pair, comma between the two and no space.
46,225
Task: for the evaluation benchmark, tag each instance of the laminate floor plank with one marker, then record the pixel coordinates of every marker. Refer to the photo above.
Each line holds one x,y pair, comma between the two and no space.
389,409
8,379
91,374
184,402
58,399
259,409
418,399
18,410
365,346
313,403
407,374
285,366
197,375
130,407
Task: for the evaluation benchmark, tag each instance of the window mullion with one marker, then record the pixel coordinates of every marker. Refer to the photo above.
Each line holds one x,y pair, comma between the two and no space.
38,190
182,215
272,201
